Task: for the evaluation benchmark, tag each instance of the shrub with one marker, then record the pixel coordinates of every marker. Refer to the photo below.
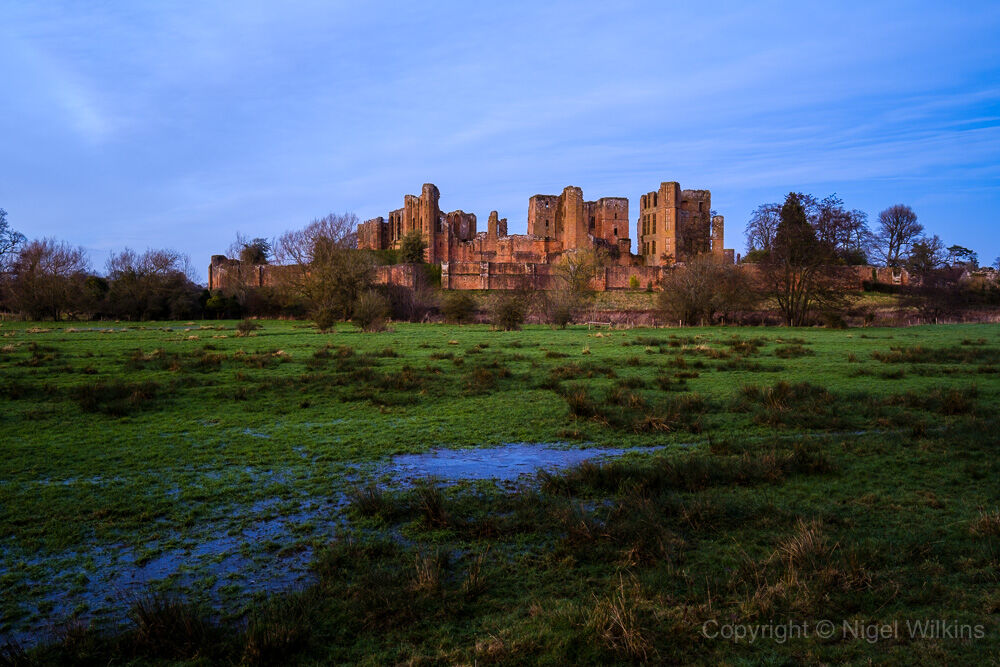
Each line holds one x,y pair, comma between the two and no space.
560,312
703,290
411,247
458,307
371,311
246,327
324,319
833,320
508,311
633,282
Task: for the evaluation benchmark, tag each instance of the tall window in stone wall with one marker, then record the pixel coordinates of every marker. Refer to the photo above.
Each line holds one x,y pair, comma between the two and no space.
654,224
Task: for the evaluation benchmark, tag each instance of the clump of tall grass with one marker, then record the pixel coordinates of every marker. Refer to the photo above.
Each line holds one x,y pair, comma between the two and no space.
918,354
784,403
792,351
617,622
941,400
746,346
692,472
622,408
371,501
431,503
114,397
167,627
429,572
278,628
476,581
986,524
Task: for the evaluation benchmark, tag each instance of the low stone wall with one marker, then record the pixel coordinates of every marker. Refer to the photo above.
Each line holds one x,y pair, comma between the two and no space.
404,275
224,273
512,275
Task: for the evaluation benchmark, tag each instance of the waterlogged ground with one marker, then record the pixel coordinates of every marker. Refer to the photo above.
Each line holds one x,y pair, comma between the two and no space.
179,457
240,551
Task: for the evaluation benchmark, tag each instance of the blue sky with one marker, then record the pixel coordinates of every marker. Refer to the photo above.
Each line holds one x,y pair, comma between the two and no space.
175,124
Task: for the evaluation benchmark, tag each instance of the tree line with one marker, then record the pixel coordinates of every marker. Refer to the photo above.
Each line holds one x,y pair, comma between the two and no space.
845,237
323,276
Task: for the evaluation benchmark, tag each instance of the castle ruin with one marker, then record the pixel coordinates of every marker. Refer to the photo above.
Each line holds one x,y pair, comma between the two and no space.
673,227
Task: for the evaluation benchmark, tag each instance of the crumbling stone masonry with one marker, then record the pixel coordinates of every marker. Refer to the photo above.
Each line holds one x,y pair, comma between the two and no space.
674,226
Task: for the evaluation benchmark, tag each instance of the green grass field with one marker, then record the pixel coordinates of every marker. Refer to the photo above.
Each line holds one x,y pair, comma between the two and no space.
175,491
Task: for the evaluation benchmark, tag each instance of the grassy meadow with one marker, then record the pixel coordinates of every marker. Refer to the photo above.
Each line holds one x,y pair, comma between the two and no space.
174,491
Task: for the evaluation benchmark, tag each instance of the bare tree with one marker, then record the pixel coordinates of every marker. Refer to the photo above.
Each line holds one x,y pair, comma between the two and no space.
46,279
574,273
845,232
898,229
704,289
155,284
762,227
10,241
321,267
926,257
576,269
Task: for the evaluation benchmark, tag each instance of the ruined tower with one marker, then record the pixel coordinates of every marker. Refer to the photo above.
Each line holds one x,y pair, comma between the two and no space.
429,214
676,225
495,228
718,234
657,225
570,215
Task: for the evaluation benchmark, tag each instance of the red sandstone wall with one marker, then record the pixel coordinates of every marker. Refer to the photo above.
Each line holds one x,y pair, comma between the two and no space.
405,275
508,275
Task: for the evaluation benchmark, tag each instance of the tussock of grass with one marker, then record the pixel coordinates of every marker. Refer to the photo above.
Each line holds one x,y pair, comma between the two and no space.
167,627
792,351
987,524
694,472
116,398
939,400
618,622
918,354
785,404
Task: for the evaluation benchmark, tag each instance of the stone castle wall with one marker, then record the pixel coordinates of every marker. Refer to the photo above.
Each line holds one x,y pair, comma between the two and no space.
673,226
555,224
224,273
